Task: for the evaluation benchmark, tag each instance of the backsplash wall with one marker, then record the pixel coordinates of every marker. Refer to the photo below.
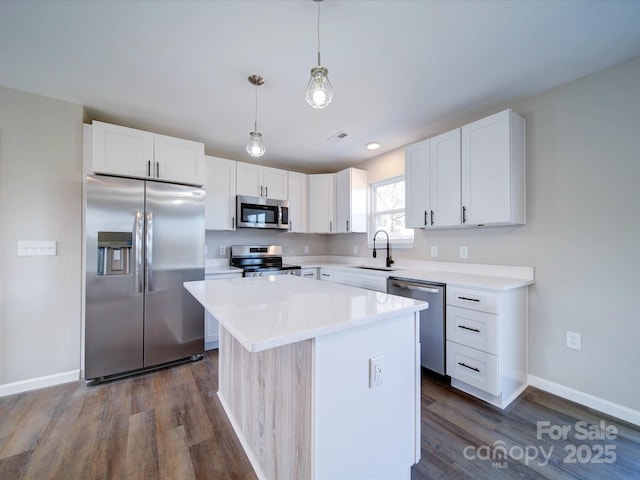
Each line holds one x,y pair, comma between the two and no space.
292,243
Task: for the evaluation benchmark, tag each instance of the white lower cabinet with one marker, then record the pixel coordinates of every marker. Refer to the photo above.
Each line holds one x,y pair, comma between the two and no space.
326,274
311,273
487,343
211,325
368,281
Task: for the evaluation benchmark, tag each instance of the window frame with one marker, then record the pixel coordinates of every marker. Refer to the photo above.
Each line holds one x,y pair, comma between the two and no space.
381,241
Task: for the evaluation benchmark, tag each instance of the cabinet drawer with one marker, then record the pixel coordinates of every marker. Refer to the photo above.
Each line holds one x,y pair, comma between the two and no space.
326,274
479,369
472,328
474,299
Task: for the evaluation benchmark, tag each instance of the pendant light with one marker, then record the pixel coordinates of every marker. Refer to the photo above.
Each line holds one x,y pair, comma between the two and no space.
256,147
319,90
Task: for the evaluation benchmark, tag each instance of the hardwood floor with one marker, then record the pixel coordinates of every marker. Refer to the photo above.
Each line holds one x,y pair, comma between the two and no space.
170,425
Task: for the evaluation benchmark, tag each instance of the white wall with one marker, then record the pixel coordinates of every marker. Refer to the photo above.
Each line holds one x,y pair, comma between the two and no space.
40,199
582,233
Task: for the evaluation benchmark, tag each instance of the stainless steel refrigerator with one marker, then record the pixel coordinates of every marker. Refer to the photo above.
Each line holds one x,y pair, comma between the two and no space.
143,240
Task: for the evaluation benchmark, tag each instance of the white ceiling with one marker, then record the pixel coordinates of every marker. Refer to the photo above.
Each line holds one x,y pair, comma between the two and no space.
397,67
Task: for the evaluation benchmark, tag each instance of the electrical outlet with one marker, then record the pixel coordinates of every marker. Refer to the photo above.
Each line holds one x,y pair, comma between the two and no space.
355,249
464,252
376,371
223,251
306,249
574,340
434,251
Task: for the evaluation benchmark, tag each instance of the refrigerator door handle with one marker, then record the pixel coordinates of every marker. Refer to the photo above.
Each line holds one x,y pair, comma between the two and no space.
149,253
137,238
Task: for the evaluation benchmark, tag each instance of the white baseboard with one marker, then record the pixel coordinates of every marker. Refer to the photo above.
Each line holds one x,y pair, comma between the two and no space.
605,406
39,382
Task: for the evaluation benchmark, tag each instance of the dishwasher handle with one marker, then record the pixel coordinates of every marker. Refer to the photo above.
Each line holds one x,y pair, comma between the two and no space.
414,286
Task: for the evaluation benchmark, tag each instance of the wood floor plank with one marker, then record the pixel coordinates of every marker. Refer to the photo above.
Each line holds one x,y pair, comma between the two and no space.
142,449
173,455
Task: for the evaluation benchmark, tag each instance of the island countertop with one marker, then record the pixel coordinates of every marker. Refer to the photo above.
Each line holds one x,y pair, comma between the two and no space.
267,312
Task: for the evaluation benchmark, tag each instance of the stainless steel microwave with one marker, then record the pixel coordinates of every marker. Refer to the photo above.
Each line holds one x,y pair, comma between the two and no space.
259,212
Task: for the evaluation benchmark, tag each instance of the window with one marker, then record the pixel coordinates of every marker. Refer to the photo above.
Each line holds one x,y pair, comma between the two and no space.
388,211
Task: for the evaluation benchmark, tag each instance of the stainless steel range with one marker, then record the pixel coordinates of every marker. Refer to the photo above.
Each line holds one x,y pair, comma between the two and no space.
260,260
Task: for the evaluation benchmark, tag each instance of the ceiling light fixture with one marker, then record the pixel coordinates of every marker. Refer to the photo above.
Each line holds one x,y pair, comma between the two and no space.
256,147
319,90
373,145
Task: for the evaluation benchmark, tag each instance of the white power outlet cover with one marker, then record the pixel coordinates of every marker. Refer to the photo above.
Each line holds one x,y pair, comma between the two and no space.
464,252
376,371
355,249
574,340
434,251
223,251
306,249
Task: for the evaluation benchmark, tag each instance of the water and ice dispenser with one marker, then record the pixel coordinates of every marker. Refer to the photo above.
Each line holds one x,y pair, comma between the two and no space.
114,253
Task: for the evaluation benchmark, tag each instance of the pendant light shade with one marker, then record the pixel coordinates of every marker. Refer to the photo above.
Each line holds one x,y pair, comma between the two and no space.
319,89
256,147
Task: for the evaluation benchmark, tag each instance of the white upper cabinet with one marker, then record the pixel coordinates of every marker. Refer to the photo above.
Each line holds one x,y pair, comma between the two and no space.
493,170
179,160
445,180
322,211
122,151
297,202
258,181
220,185
129,152
432,182
417,165
351,201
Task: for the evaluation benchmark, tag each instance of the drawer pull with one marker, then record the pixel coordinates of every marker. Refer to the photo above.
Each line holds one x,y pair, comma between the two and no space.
467,366
469,299
469,328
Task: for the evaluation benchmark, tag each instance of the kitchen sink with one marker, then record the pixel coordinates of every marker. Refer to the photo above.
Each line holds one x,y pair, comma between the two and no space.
380,269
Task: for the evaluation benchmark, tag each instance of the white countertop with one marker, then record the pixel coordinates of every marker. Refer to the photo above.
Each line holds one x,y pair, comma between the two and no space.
485,277
267,312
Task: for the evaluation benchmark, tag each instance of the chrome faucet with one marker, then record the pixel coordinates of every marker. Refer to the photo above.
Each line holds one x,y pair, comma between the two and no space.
389,260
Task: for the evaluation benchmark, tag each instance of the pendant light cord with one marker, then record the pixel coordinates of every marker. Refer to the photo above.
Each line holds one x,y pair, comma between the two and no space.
318,30
255,123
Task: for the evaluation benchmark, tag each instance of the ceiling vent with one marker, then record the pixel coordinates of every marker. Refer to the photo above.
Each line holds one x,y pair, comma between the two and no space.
337,137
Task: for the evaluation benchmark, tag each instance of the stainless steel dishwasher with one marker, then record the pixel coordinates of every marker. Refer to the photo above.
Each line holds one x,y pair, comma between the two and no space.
432,320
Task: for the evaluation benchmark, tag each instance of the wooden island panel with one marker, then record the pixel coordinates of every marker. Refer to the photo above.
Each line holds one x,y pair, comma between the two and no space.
268,398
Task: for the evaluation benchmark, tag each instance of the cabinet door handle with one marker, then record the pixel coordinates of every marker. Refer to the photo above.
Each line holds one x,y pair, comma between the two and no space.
157,169
432,217
464,214
233,222
462,364
330,226
290,225
266,191
425,218
261,190
347,225
469,328
148,168
469,299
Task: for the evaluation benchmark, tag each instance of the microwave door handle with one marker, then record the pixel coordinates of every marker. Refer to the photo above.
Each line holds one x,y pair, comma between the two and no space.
149,253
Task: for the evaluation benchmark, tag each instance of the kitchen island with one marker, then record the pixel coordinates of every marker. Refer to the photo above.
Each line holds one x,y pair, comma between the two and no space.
319,380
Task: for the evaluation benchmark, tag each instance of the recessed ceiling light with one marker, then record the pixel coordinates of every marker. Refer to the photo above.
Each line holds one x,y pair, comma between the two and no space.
373,145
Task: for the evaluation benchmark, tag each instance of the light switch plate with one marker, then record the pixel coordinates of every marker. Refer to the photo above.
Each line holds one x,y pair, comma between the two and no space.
37,248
